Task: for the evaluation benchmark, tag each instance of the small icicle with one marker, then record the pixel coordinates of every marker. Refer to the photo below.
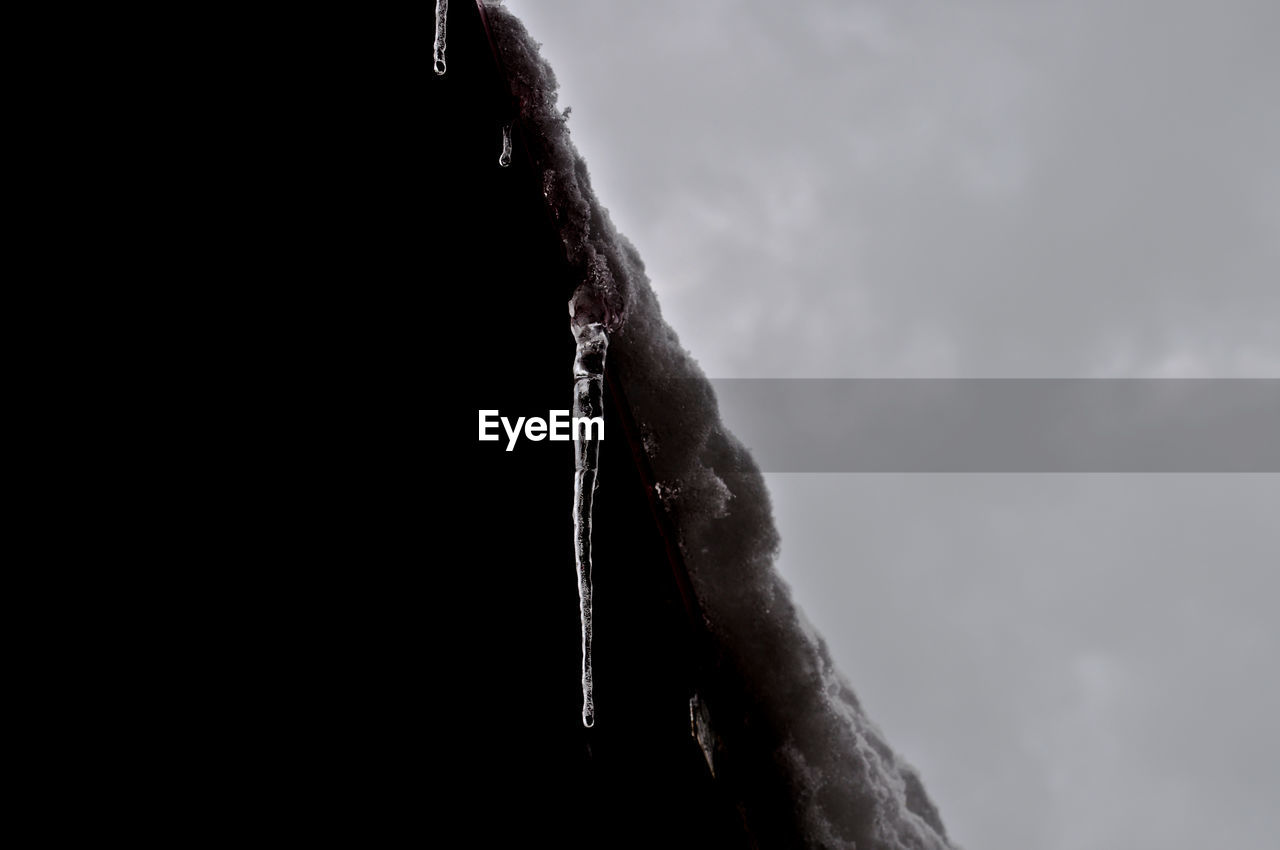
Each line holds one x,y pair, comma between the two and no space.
442,12
588,402
700,728
504,158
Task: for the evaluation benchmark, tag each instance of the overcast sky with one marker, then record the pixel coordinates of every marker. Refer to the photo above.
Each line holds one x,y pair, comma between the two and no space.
832,188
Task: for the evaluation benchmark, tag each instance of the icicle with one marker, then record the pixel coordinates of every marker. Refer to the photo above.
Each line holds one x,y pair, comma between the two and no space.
588,402
442,12
504,158
700,728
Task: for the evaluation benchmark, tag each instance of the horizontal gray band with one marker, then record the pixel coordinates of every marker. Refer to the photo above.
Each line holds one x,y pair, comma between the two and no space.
1006,425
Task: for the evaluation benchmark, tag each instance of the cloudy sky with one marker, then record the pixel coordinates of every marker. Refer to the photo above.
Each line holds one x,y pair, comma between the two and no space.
834,188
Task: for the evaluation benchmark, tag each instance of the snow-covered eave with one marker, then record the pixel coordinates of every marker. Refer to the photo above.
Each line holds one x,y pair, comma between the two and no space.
776,698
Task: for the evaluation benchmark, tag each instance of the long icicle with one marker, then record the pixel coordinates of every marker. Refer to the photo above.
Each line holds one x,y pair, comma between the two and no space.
588,403
442,12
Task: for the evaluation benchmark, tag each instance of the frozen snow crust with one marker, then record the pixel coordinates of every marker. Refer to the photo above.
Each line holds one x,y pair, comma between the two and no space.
798,722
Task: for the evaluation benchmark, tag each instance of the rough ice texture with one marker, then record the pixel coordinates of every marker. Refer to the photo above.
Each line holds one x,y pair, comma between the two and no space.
442,18
605,264
797,720
588,403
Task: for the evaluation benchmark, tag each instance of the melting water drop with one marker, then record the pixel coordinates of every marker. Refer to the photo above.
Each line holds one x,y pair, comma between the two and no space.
504,158
588,402
442,12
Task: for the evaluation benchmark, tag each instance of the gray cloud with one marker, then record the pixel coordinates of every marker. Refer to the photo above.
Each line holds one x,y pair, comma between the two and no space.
1073,661
986,189
980,189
